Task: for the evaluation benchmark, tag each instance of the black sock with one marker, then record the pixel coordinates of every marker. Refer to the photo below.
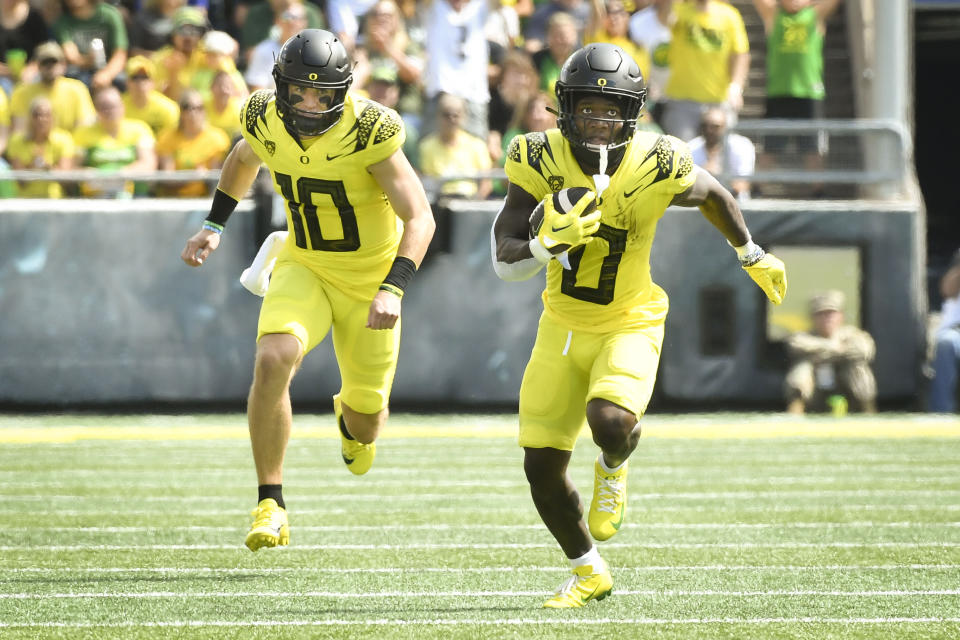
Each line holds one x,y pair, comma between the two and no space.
274,491
343,430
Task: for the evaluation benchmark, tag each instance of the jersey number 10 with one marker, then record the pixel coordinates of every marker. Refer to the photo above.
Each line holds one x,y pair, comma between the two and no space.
303,213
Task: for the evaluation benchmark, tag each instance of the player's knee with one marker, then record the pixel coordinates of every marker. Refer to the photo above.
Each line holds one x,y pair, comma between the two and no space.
543,468
611,425
277,358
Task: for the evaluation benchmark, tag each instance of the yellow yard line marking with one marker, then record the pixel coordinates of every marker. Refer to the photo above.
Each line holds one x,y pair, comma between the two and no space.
718,427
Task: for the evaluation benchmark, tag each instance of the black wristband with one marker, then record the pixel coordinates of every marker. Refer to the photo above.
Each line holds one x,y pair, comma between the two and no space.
401,272
222,206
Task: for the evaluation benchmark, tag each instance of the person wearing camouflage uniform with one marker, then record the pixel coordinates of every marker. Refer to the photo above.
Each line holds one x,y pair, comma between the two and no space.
833,359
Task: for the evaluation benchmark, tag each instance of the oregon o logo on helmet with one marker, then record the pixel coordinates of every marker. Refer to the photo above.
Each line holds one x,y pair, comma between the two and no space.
312,76
602,82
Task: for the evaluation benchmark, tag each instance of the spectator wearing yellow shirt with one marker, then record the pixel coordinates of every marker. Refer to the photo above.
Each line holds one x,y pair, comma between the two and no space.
4,122
223,105
177,62
218,55
194,144
610,22
452,151
72,106
143,102
41,147
114,143
709,60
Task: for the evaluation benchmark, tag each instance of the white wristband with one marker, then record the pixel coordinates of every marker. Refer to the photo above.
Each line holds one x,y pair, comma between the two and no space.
745,250
539,251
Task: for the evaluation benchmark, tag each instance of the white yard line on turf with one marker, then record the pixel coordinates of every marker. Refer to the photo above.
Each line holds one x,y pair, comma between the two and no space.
458,570
538,622
486,546
670,593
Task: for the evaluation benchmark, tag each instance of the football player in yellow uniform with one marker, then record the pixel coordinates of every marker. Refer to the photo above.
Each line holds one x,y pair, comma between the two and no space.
599,338
359,224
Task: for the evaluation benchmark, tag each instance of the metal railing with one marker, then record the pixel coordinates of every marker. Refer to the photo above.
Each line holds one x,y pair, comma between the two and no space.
882,159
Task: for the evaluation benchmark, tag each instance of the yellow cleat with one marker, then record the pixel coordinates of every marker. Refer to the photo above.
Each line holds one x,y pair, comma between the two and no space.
357,456
270,527
609,502
582,587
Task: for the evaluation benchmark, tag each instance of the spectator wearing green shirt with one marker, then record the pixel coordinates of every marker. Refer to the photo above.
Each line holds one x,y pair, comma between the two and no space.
795,31
94,40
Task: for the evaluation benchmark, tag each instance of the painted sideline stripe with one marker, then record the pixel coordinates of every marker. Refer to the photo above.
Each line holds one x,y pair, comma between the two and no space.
502,497
779,508
476,594
552,569
775,426
511,527
491,545
401,622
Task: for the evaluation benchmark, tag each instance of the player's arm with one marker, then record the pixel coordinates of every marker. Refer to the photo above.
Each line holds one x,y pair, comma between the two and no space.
511,247
720,208
405,191
239,171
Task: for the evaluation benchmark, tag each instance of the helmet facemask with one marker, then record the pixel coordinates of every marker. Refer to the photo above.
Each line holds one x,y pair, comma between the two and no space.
586,131
309,123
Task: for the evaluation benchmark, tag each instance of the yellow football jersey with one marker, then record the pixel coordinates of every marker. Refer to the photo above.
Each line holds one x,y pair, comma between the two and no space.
608,285
341,224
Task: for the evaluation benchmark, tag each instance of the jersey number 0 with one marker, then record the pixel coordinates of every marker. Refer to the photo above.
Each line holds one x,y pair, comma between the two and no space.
303,213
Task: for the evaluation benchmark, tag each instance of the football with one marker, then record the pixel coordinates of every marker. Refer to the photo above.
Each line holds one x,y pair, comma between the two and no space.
564,201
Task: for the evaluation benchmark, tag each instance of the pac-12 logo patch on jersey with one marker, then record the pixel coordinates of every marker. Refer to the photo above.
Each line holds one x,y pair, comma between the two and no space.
555,183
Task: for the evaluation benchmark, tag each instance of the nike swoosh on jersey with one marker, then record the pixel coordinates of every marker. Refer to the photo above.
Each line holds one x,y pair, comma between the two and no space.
627,194
330,157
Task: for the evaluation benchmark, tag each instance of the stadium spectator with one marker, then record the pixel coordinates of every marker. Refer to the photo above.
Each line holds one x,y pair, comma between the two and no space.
651,28
94,40
599,338
795,32
323,283
723,153
193,144
946,343
531,116
345,17
503,23
452,151
259,73
218,53
42,147
562,40
4,122
383,87
257,19
709,60
223,105
141,101
833,359
113,143
610,22
385,43
150,27
535,31
457,58
177,62
22,30
72,106
517,82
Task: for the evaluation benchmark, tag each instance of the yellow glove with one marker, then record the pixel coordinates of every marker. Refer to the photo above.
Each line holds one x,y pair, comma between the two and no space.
770,274
568,228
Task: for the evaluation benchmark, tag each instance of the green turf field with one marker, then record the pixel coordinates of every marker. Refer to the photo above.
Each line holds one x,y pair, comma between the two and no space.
737,527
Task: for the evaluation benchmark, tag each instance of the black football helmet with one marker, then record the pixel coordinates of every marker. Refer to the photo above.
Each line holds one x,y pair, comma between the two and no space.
312,58
606,70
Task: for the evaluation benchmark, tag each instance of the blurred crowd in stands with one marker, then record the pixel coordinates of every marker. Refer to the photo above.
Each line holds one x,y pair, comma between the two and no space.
157,84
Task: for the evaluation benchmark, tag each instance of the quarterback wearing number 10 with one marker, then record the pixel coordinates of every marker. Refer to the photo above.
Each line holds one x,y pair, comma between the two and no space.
598,342
359,224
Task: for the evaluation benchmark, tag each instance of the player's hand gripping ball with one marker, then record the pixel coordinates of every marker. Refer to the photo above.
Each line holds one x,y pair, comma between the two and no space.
565,219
